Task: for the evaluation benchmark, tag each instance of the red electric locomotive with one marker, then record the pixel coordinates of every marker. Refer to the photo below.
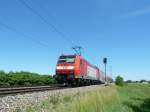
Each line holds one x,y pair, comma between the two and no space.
75,70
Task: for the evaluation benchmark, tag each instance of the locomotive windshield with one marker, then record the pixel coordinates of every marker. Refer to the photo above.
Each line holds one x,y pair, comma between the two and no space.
66,59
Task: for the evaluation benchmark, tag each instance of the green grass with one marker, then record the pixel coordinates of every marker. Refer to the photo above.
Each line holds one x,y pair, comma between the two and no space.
135,97
129,98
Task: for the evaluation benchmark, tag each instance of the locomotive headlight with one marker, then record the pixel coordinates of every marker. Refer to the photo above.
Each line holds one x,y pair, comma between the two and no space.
70,67
64,67
59,67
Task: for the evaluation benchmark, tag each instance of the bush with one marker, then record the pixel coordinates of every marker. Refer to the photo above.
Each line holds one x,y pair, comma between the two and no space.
129,81
119,81
24,79
141,81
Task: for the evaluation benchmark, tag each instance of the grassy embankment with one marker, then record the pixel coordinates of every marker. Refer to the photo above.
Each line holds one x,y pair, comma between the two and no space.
130,98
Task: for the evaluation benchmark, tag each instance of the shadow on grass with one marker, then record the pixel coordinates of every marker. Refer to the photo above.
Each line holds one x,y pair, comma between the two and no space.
143,107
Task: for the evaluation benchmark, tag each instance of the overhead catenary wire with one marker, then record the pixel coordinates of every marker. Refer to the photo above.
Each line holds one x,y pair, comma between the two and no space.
62,35
77,49
24,35
51,17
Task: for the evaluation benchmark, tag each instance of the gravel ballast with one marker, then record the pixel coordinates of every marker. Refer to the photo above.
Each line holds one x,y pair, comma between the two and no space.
10,103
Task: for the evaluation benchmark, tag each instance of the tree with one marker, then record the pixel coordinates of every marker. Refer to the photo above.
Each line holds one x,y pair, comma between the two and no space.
141,81
24,79
119,81
129,81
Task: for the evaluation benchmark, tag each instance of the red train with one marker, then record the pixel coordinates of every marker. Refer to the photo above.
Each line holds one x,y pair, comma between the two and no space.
75,70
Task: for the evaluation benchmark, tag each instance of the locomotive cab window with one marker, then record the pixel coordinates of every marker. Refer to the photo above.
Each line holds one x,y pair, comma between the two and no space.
66,59
81,62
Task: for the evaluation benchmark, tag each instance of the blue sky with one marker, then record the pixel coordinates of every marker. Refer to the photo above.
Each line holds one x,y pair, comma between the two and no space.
116,29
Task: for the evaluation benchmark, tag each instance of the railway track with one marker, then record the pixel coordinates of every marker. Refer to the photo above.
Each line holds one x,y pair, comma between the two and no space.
22,90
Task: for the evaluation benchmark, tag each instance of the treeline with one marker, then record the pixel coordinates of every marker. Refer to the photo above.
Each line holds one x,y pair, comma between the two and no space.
141,81
24,79
120,81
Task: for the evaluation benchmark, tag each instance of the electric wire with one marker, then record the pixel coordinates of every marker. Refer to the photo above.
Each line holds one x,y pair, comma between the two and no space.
50,24
48,13
24,34
62,35
78,51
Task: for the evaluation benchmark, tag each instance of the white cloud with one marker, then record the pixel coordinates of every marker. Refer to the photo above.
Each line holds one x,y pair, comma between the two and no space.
137,13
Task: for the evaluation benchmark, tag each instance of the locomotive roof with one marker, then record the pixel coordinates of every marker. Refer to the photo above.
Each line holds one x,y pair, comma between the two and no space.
67,55
81,57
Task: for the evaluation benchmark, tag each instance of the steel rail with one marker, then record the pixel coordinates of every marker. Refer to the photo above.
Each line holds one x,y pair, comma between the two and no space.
23,90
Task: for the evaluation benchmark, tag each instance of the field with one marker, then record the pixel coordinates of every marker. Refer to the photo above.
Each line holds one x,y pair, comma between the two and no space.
129,98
